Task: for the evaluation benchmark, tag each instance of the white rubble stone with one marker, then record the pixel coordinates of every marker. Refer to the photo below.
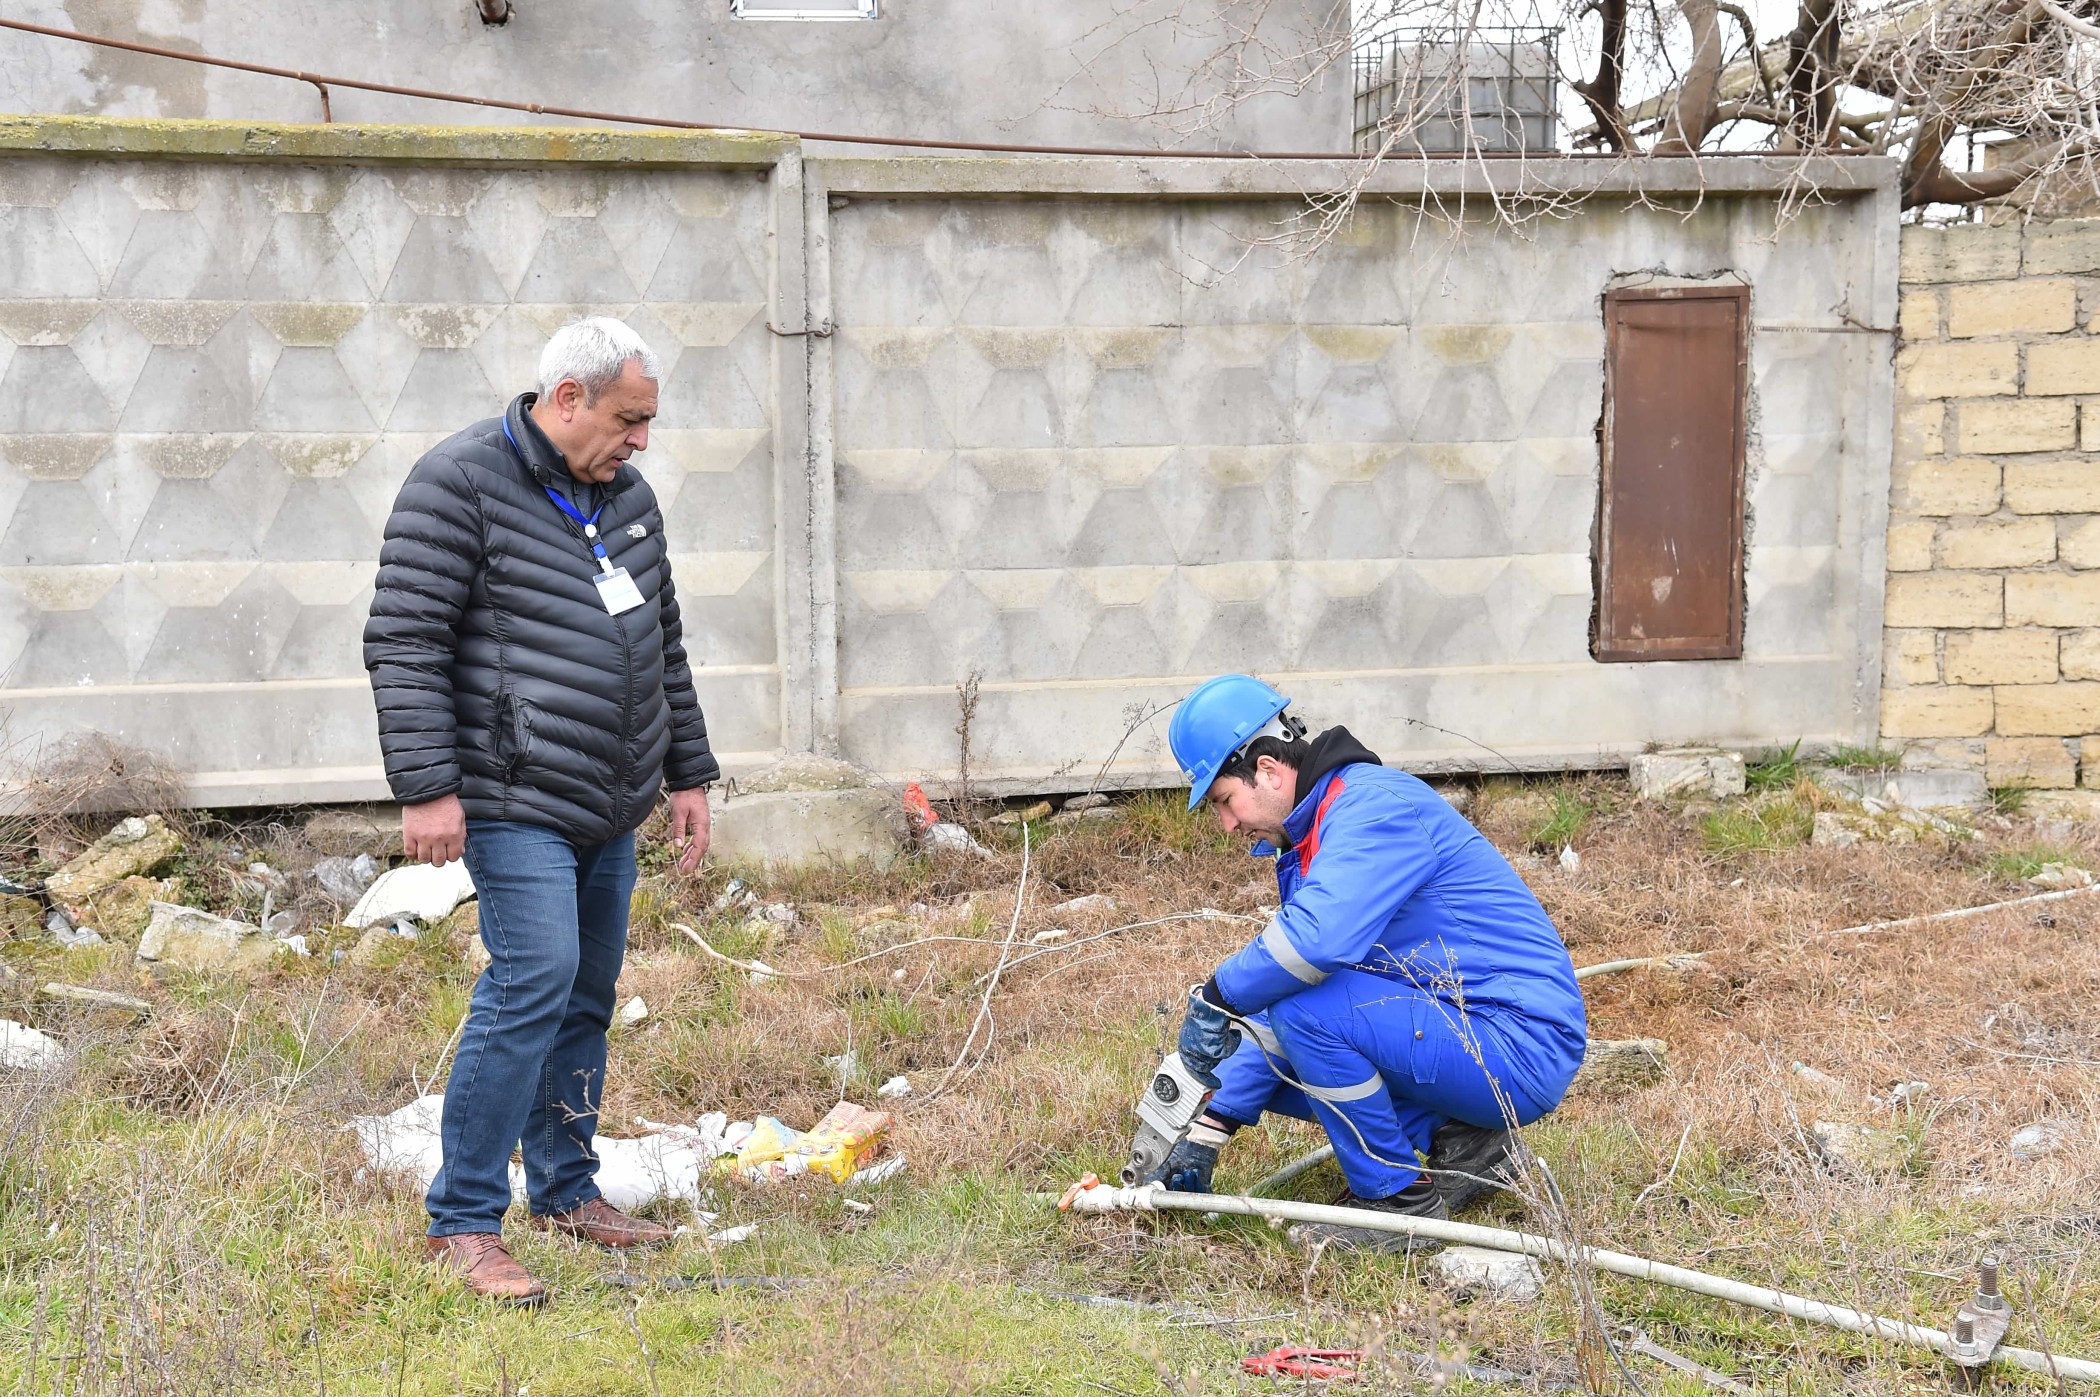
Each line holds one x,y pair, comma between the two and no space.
27,1049
1687,771
1495,1275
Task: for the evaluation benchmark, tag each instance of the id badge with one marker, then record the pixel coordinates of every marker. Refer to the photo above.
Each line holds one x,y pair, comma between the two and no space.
617,590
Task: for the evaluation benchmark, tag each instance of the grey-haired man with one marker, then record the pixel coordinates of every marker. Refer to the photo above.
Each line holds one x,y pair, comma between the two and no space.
534,702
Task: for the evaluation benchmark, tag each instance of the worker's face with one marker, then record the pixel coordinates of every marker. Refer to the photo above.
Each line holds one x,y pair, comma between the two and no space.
1256,809
596,436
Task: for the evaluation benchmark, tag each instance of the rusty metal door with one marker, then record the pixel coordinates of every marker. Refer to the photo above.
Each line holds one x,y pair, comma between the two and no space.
1670,514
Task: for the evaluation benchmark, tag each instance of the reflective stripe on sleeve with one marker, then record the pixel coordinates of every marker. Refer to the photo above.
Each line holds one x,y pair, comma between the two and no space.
1278,944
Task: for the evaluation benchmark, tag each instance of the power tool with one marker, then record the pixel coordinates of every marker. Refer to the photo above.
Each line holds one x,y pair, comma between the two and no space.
1165,1112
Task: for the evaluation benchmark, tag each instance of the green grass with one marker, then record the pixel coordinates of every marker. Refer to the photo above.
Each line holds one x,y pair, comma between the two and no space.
2016,865
2011,799
202,1224
1865,759
1774,770
1756,827
1570,815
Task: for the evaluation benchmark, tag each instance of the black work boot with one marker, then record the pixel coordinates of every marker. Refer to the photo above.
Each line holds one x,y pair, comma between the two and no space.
1468,1162
1419,1199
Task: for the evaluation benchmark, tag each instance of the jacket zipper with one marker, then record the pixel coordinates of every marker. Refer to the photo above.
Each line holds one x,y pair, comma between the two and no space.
626,763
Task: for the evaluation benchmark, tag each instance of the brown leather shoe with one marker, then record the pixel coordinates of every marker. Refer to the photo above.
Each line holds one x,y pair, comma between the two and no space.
487,1267
599,1221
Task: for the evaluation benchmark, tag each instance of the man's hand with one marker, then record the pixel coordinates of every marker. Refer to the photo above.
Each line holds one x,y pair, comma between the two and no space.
435,832
691,824
1207,1038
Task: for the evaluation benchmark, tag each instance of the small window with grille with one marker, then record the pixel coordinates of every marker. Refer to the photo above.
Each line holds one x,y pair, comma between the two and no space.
803,9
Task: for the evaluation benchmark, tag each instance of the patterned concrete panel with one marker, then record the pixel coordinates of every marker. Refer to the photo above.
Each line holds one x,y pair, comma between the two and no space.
215,376
1380,460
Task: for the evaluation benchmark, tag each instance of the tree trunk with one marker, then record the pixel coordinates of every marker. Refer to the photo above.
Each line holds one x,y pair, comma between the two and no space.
1699,96
1811,75
1601,93
1926,179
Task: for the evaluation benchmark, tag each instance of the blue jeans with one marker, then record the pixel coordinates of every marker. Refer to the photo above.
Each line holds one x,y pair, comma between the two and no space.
531,1064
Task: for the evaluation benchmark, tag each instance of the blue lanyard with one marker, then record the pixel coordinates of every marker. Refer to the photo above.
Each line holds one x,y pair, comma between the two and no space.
561,502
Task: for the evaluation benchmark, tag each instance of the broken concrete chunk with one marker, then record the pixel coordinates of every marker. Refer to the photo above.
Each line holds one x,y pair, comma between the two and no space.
348,833
633,1012
1082,906
2061,875
1864,1149
2042,1138
1920,789
26,1050
137,845
123,909
100,999
807,810
346,879
1493,1275
375,945
806,771
1092,800
419,891
1834,830
1027,814
1613,1067
1687,771
194,940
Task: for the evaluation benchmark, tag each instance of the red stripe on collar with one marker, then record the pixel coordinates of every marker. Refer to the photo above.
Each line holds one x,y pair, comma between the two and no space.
1310,845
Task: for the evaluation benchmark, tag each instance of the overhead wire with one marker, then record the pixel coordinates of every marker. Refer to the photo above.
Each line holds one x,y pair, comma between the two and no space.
325,81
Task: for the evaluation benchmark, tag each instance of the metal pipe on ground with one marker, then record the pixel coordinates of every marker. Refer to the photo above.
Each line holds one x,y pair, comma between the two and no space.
1149,1198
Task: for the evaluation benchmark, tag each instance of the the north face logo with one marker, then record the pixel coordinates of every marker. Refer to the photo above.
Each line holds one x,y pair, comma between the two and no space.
637,530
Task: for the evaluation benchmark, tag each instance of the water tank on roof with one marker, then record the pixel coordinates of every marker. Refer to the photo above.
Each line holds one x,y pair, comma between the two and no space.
1495,91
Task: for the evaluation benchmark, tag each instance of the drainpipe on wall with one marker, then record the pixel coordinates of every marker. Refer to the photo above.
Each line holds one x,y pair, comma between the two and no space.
494,11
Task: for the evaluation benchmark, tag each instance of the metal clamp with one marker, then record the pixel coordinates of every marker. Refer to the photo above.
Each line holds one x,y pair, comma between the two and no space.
1980,1325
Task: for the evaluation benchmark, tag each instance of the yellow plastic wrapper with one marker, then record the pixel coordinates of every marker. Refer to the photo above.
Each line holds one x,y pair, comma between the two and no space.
839,1143
769,1143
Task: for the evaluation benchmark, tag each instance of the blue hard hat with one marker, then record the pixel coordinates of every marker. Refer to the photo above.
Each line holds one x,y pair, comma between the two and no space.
1218,717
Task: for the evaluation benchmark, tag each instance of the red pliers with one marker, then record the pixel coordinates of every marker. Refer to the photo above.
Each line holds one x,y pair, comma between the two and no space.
1336,1364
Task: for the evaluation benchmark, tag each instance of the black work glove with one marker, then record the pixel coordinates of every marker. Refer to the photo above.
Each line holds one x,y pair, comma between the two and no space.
1207,1035
1187,1169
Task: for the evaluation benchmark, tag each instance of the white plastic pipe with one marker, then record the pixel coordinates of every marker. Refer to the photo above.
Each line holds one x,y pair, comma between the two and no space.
1149,1198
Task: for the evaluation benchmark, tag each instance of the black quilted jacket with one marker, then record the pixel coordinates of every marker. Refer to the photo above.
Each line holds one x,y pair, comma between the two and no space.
499,673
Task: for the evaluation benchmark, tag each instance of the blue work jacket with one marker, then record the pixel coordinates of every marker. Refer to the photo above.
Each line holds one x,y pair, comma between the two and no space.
1385,877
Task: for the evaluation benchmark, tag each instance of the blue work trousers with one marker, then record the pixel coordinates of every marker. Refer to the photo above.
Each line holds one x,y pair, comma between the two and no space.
531,1063
1380,1065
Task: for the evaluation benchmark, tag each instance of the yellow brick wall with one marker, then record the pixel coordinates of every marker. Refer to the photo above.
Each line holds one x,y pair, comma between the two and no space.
1992,641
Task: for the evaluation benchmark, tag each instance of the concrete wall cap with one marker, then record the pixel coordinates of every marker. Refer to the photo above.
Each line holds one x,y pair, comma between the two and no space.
186,138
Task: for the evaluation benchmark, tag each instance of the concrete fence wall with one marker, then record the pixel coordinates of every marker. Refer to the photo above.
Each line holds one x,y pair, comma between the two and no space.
1993,642
1078,428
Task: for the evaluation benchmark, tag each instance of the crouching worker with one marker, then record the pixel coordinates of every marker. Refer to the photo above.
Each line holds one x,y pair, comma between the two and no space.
1410,994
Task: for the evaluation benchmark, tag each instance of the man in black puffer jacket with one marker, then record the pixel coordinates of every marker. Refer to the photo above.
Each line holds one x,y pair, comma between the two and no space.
534,702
